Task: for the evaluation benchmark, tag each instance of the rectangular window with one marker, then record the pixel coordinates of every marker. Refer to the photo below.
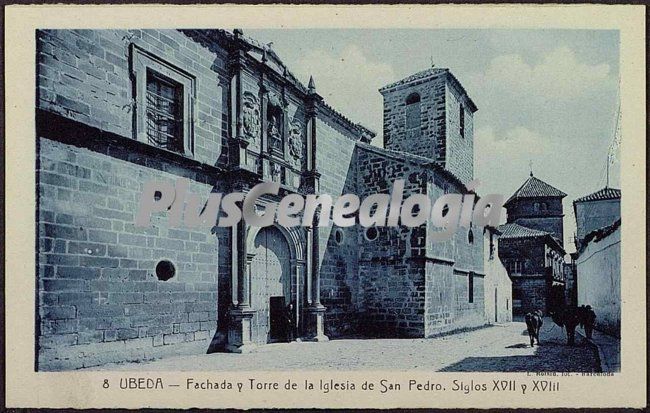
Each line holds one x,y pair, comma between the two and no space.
462,121
470,286
413,113
491,246
515,267
164,102
164,112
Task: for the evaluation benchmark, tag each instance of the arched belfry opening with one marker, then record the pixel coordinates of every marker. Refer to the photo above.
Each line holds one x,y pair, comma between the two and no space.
413,112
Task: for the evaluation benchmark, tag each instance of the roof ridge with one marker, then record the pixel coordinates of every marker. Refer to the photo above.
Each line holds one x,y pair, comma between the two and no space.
422,74
514,224
291,77
410,157
534,187
601,194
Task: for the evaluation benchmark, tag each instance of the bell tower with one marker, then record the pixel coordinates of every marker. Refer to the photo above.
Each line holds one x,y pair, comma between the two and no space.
538,205
429,114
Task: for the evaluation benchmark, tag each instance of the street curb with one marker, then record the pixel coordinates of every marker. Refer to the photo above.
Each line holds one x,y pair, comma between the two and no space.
604,368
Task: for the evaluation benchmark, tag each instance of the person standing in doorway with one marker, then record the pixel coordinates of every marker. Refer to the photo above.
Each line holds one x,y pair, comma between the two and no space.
289,322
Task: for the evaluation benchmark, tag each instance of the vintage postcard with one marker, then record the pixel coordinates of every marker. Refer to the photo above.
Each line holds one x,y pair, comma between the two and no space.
320,206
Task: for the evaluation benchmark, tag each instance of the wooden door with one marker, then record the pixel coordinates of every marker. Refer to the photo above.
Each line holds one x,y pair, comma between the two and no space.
270,277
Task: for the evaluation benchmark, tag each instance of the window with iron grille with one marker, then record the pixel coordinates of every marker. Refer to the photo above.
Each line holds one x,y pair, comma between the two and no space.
164,112
164,102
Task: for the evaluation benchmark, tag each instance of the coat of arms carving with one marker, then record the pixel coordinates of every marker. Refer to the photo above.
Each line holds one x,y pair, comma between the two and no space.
251,116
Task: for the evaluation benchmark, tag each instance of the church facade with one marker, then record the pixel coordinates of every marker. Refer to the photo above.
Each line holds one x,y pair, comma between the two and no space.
117,108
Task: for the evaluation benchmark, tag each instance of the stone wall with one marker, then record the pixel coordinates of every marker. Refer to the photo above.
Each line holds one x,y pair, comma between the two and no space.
449,264
100,299
529,286
429,141
84,75
599,281
338,261
459,158
411,285
529,213
439,136
391,267
529,294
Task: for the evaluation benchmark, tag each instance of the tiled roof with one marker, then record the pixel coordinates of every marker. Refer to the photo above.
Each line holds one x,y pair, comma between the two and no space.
535,188
430,72
605,193
512,230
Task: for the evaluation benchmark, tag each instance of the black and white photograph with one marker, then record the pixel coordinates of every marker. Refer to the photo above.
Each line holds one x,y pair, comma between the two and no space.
239,199
117,108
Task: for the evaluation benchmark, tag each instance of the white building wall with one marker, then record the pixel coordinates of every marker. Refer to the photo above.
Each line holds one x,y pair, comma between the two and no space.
599,281
498,286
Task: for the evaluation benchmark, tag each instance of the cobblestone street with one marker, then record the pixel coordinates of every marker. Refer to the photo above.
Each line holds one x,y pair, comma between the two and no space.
495,348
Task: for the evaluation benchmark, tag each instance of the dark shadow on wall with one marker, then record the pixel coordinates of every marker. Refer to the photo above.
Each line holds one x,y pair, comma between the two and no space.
339,271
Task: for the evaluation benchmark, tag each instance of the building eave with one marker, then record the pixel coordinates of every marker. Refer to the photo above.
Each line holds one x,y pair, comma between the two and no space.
303,92
426,163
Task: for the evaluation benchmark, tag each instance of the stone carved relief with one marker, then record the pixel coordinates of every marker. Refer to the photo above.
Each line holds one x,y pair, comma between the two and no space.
275,130
276,173
251,116
295,139
274,100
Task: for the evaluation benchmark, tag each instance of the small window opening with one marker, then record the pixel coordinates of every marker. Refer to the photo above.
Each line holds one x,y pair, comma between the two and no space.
338,236
462,121
371,234
165,270
413,112
470,287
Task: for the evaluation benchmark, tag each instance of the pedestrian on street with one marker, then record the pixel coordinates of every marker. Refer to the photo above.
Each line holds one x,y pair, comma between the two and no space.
590,320
289,323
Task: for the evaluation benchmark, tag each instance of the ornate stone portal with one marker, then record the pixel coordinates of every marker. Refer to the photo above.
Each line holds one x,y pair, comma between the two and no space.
265,120
272,254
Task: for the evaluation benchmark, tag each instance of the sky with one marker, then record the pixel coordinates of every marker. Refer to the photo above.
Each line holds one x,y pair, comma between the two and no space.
546,97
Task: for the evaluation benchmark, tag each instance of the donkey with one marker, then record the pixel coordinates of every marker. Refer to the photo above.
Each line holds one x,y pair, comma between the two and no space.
568,318
534,323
